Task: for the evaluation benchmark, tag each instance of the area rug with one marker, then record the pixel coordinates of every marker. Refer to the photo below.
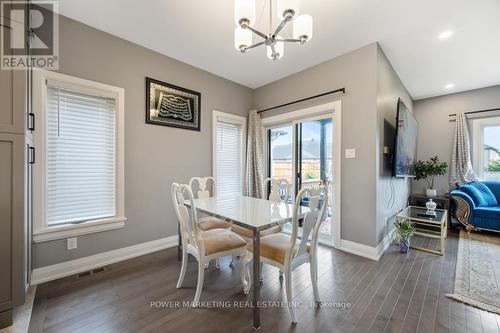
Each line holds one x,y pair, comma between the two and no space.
477,275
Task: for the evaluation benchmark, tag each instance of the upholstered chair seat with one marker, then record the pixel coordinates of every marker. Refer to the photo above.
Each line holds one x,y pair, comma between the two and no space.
209,222
274,247
221,240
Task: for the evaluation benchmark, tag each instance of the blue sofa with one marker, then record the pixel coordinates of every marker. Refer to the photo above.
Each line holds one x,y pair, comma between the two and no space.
478,205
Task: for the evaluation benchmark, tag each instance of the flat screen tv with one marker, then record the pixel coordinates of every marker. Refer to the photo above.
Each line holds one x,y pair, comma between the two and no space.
405,143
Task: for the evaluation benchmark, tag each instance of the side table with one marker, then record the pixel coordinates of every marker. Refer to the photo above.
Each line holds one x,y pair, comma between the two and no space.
442,201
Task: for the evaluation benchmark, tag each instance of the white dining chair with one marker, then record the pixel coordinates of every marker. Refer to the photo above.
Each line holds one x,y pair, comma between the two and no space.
203,245
199,186
288,252
279,189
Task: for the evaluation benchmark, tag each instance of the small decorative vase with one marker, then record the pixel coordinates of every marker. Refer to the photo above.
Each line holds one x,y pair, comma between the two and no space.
404,245
431,192
431,205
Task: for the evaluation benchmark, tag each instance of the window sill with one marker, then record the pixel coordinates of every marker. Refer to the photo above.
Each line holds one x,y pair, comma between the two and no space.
72,230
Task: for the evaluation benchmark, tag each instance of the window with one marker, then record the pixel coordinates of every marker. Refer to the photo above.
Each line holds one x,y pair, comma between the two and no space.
229,153
80,157
486,148
80,169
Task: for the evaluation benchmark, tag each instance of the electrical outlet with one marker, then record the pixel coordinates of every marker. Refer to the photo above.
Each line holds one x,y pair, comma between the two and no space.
71,243
350,153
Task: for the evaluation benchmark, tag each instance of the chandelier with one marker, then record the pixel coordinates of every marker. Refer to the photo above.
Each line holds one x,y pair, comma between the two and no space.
287,10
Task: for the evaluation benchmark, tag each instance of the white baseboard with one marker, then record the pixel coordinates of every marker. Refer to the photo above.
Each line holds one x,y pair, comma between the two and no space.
67,268
370,252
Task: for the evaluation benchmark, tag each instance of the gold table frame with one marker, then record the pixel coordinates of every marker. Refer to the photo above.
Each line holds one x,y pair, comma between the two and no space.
434,228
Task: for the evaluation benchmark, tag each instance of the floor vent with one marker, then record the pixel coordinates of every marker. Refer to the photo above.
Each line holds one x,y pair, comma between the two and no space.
91,272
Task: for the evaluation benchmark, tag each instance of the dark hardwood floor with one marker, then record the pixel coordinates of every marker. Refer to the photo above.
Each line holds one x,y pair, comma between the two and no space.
399,293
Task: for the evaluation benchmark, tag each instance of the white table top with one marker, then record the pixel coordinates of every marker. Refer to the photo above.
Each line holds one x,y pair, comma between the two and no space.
251,213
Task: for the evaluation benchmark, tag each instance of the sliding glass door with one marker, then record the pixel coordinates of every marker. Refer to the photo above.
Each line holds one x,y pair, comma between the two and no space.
302,153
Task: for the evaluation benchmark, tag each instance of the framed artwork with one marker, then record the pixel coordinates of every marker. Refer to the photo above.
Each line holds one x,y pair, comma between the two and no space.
173,106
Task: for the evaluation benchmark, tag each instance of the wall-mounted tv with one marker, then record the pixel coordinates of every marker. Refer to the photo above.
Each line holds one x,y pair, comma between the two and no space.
405,145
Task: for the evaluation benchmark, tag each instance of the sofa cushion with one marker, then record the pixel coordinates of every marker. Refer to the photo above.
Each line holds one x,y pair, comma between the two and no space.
486,193
494,186
475,195
488,212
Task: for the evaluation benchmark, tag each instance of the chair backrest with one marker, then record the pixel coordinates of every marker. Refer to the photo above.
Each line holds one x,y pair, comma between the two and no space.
181,193
201,191
317,203
279,189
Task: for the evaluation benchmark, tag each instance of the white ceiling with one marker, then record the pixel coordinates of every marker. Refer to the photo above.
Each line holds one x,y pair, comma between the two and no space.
200,33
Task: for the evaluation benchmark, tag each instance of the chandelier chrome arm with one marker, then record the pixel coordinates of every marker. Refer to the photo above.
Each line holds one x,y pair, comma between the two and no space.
282,25
291,40
254,45
257,32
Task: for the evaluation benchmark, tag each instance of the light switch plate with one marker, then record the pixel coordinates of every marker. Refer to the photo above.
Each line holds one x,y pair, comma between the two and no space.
71,243
350,153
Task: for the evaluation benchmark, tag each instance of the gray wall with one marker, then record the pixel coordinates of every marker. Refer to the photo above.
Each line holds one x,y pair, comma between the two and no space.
392,193
356,71
435,129
155,156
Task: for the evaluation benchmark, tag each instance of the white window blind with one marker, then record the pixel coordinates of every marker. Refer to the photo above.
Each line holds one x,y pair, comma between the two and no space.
80,157
229,151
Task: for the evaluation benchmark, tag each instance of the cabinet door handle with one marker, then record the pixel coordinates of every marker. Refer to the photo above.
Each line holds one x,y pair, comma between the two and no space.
32,155
31,122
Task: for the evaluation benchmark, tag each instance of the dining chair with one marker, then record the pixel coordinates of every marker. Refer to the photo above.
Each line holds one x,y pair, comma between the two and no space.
288,252
203,245
200,190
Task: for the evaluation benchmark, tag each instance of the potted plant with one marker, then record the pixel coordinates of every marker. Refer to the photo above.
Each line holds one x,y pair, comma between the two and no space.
405,231
428,170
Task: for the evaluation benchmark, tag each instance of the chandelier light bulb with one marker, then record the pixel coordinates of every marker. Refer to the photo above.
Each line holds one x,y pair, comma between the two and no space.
242,38
287,8
303,28
244,11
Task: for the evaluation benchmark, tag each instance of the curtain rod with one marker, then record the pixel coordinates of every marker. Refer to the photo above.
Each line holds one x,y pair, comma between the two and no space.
304,99
478,111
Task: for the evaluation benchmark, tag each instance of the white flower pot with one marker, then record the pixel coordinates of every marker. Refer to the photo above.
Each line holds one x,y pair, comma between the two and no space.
431,192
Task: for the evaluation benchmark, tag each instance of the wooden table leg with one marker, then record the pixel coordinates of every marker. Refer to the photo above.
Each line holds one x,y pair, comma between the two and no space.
256,279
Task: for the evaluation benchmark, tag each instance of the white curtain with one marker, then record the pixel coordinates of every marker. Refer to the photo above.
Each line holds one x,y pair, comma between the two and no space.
255,156
461,166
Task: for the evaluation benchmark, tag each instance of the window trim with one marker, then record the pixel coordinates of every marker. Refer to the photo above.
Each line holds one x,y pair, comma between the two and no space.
478,126
230,118
41,231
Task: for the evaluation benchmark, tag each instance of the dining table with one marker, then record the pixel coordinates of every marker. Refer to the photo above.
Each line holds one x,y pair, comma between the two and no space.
253,214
